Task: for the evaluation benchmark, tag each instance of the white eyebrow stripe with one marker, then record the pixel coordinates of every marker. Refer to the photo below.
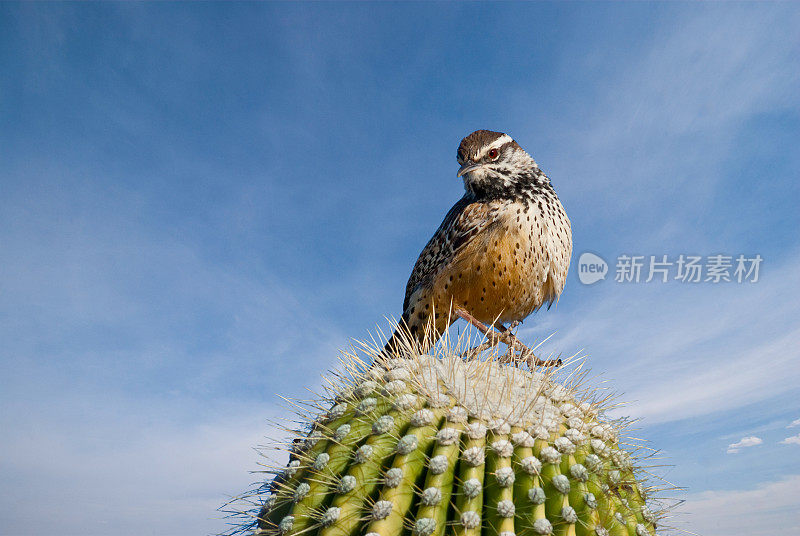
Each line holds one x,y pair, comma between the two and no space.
496,144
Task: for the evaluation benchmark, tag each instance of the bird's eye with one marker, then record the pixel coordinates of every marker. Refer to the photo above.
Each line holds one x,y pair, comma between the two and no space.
493,154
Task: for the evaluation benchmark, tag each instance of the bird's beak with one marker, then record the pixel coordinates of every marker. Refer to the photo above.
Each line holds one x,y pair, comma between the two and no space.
466,168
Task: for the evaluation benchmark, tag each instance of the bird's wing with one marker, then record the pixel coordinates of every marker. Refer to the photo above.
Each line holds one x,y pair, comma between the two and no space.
461,225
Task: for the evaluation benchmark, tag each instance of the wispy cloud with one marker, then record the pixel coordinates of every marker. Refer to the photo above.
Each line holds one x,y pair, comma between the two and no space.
771,508
792,440
794,423
137,463
745,442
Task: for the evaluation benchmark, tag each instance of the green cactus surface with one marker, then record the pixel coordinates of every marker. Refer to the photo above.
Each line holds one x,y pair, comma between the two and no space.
438,445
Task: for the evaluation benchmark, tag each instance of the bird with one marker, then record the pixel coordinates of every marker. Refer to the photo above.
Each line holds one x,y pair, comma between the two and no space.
502,251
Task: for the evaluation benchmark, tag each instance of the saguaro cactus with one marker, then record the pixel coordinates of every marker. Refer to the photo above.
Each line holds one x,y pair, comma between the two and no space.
435,444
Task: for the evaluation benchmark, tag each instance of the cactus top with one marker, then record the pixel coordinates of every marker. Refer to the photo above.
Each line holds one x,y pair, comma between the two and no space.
434,446
508,396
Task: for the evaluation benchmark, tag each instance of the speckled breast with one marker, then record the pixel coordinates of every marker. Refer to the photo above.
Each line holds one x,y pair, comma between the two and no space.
504,273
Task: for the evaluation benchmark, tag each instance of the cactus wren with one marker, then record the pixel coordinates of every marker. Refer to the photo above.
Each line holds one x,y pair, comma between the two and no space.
501,252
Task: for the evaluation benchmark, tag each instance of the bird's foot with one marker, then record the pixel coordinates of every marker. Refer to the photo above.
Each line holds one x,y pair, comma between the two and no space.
476,350
526,356
517,352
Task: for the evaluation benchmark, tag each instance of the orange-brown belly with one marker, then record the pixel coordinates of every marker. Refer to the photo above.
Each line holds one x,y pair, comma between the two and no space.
500,277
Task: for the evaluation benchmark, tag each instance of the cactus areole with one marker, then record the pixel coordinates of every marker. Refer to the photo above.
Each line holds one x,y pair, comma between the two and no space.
437,445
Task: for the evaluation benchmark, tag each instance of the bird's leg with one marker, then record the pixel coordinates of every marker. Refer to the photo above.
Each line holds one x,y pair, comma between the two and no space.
514,345
526,354
475,350
492,337
505,336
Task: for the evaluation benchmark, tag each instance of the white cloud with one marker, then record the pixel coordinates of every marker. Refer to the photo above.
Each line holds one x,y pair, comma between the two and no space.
771,508
795,439
794,423
749,441
139,469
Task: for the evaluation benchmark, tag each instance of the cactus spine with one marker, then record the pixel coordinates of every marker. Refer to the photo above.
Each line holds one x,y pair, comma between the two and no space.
433,445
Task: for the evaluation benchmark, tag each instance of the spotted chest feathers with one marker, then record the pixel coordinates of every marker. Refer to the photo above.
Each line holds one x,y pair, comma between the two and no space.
512,264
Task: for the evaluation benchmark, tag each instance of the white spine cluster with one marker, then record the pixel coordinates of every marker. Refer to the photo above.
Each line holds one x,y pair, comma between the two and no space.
407,444
457,414
438,400
561,483
292,468
366,406
579,472
542,526
505,477
382,509
394,477
431,496
421,418
313,438
499,426
424,526
366,388
476,430
286,524
300,492
362,454
337,411
569,515
472,488
550,455
523,439
347,484
564,445
536,495
614,477
503,448
321,461
394,387
470,519
575,436
531,465
269,503
540,432
438,464
447,436
600,448
341,433
397,374
382,425
330,516
622,459
505,508
406,401
474,456
592,462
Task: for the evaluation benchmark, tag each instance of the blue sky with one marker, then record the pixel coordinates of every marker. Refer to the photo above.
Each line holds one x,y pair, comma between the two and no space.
201,203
